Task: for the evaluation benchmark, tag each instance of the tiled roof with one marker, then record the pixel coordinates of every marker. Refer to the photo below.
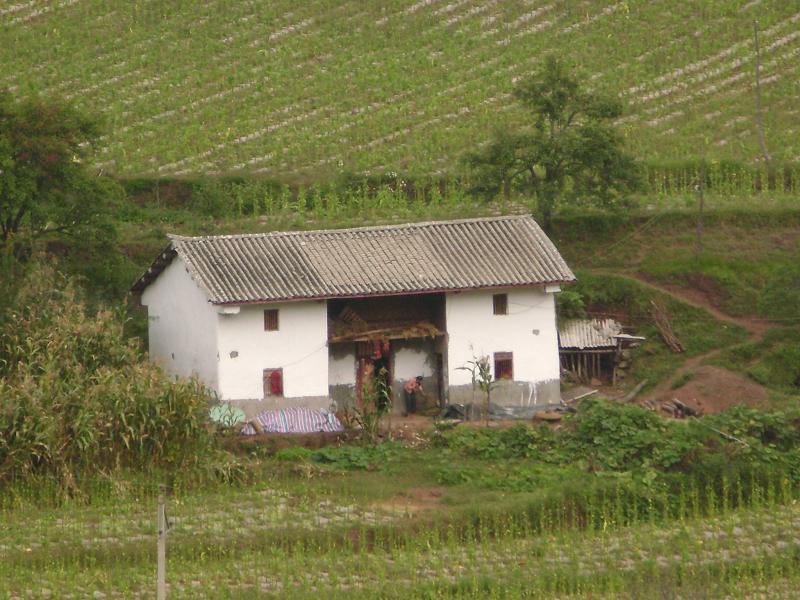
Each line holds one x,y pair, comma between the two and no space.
367,261
583,334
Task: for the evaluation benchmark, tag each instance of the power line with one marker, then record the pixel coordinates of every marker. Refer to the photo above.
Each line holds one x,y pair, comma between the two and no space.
604,251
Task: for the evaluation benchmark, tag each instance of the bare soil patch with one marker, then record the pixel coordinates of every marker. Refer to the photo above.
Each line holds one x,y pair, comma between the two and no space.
414,500
713,390
269,443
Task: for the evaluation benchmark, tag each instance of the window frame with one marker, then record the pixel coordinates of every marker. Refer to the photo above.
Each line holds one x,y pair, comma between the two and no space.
266,379
500,304
271,319
503,357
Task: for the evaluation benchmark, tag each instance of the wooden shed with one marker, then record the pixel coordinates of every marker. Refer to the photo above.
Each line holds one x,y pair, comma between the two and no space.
594,348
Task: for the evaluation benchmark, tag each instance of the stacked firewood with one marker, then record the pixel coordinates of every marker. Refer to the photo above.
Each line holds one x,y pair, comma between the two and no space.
661,320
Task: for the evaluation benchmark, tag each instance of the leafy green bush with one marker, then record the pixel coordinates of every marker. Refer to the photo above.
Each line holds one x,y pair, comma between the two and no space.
518,441
570,305
355,457
78,397
293,454
616,436
628,443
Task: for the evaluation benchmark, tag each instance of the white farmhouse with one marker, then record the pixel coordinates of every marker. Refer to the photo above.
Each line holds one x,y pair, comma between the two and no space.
296,318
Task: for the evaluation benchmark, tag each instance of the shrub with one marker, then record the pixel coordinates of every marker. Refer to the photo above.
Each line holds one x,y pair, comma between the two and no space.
355,457
78,397
293,454
570,305
616,436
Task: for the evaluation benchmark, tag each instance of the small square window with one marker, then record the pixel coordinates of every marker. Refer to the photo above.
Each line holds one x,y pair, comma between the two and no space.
500,304
271,319
503,365
273,382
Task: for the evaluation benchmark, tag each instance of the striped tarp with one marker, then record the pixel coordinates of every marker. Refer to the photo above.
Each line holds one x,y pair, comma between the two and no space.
294,420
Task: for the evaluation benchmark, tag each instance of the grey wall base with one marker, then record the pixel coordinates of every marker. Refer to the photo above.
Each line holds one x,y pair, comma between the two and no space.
505,393
344,396
510,393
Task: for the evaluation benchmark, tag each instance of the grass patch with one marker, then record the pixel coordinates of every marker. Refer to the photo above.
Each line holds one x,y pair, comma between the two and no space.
774,361
682,380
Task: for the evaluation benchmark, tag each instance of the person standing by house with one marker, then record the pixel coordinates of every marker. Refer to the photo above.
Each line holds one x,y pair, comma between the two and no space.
411,388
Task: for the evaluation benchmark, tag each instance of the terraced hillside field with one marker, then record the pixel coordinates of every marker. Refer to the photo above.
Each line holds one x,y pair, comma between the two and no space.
303,89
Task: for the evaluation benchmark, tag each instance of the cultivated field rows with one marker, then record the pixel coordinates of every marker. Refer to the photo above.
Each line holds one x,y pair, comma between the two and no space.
737,543
423,126
292,89
231,516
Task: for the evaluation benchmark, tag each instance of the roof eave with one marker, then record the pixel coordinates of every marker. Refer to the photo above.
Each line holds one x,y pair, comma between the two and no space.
440,290
161,262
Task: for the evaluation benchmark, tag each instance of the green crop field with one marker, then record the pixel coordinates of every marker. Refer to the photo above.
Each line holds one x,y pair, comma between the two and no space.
307,90
486,528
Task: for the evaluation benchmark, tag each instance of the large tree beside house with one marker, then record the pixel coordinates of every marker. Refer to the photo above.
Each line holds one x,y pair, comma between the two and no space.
570,150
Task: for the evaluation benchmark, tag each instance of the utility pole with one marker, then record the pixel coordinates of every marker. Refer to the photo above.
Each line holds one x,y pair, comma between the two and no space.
759,117
161,577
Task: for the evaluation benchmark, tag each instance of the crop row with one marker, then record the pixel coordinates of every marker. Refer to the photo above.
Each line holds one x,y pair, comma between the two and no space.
273,90
747,548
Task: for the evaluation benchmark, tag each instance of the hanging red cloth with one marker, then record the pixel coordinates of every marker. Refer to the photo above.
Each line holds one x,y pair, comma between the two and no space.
276,383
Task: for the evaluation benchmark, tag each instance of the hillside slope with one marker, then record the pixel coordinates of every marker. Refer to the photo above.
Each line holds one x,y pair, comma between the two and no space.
300,90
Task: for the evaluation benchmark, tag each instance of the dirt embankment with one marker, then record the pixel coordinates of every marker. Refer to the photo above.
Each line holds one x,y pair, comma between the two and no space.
709,389
713,389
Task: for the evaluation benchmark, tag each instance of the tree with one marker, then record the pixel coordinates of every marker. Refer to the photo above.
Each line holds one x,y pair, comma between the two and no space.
45,185
570,151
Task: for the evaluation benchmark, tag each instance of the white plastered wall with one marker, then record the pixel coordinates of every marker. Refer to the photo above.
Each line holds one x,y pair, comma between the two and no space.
413,359
528,330
299,347
342,366
182,325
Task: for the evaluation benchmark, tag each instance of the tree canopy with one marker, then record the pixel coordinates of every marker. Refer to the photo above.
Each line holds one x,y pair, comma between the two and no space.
45,184
570,150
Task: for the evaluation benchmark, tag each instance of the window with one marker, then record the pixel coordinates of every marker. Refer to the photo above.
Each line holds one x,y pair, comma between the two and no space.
503,365
500,303
273,382
271,319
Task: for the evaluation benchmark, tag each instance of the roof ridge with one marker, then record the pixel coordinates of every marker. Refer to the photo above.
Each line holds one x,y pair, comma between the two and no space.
376,228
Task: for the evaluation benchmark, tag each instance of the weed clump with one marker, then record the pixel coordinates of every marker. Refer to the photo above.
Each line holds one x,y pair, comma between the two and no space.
79,398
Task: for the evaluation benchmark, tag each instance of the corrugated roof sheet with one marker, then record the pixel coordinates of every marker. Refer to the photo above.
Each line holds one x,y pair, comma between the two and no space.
394,259
583,334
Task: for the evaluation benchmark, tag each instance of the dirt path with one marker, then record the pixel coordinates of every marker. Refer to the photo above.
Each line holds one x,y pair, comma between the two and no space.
756,328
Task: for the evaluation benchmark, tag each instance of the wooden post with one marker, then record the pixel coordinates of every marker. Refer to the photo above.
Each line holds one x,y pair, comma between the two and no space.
161,577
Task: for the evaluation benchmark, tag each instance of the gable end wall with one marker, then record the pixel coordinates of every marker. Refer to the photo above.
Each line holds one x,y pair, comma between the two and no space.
181,325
